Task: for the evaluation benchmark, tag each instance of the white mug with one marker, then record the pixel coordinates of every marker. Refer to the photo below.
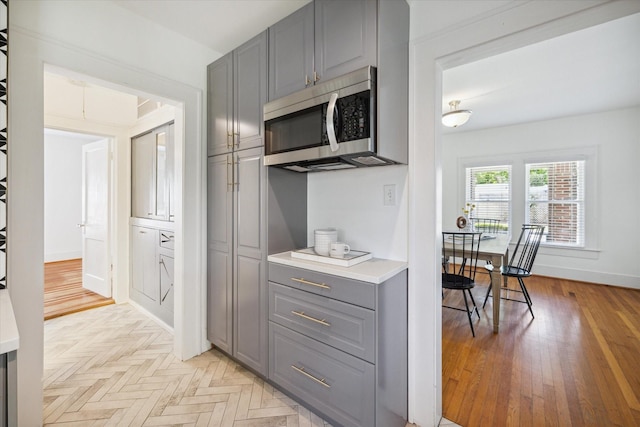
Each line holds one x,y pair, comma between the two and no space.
339,249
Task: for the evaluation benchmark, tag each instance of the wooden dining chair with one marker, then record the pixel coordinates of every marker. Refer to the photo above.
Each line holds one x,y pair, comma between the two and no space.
521,262
460,250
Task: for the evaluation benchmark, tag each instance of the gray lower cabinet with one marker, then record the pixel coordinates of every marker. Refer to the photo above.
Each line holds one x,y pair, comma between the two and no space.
151,283
340,345
236,276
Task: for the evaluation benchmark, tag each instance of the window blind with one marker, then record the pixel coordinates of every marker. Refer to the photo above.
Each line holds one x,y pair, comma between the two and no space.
555,198
489,188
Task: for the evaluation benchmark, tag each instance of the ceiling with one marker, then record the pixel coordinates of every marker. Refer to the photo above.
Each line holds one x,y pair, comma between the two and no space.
221,25
596,69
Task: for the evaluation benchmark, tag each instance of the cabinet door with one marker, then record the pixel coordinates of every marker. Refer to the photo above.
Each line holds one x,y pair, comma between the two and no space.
250,92
166,282
219,261
291,53
250,188
171,171
143,166
143,262
250,316
345,36
220,106
161,208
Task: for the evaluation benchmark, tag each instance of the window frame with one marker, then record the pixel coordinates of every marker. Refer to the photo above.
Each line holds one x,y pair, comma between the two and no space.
518,161
579,201
495,165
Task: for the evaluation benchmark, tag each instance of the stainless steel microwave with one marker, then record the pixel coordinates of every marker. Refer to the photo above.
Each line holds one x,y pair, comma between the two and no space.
329,126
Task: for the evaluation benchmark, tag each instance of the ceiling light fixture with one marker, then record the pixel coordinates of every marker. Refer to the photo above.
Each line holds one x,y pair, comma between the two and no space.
455,117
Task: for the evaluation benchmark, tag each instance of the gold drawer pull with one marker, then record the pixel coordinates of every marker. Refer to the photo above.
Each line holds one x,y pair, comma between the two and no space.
308,375
306,282
313,319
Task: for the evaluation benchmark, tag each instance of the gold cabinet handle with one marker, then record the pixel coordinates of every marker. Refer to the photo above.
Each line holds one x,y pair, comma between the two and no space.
229,135
229,183
307,82
316,77
308,375
306,282
313,319
236,178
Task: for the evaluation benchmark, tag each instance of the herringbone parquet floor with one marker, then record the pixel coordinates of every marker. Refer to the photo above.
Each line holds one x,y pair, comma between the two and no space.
113,366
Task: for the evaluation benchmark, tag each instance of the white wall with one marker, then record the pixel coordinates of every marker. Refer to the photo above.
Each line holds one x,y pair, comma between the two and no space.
609,256
352,202
98,39
63,194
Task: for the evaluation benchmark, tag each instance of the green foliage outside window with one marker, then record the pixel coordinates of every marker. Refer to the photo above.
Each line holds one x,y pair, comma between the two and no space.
538,177
492,177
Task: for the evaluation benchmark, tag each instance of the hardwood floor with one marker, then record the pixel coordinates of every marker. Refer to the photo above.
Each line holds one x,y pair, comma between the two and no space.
63,291
575,364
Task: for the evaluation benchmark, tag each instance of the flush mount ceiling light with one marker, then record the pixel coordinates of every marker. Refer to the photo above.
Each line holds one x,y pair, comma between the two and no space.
455,117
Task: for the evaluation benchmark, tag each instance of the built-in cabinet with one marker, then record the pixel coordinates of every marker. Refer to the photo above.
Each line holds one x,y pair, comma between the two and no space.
237,90
152,271
236,194
323,40
152,173
340,345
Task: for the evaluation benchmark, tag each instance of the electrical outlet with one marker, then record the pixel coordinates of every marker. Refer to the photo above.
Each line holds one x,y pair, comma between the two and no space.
389,195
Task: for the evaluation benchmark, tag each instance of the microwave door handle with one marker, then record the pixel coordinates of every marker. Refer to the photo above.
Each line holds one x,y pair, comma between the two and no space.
331,132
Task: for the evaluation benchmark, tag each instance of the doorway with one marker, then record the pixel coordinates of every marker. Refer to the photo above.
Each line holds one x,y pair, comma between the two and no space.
82,110
76,223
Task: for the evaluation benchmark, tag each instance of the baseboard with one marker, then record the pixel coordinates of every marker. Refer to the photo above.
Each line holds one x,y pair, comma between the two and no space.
602,278
62,256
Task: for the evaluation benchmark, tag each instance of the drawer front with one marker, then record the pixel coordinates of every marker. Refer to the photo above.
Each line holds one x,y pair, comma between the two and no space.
347,290
340,386
347,327
166,239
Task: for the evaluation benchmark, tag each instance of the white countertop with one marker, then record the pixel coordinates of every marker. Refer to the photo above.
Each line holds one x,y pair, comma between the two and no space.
9,338
375,270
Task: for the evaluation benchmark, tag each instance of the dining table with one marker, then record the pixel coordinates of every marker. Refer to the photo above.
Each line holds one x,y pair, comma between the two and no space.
494,249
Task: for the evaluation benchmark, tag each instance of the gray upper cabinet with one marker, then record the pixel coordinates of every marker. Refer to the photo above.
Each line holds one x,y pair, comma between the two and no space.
152,164
220,105
345,36
323,40
250,92
237,90
291,45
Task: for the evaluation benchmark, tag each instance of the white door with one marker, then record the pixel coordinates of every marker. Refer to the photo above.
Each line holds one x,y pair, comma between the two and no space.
95,218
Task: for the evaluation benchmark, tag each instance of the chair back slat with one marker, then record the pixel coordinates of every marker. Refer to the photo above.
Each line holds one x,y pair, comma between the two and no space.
527,247
461,258
487,225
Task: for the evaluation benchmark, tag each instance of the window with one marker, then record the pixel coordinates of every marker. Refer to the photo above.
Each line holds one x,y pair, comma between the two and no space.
489,188
555,198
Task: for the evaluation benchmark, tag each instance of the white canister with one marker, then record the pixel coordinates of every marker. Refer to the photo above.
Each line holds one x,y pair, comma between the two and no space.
323,238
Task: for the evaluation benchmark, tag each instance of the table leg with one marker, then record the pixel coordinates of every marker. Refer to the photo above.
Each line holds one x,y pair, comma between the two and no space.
495,289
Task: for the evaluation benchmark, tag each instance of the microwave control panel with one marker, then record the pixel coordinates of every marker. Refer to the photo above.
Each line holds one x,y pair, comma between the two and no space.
351,119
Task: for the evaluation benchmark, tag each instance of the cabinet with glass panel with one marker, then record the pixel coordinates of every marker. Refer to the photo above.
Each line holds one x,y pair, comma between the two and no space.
152,159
